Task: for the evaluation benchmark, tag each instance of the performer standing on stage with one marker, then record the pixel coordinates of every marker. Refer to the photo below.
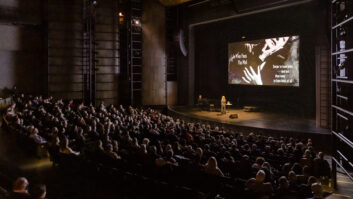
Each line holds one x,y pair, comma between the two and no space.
223,105
199,102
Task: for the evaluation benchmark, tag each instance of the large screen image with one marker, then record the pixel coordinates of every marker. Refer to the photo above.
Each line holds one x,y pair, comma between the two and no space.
272,62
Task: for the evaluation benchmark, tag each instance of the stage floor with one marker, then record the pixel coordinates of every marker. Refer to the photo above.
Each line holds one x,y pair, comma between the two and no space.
261,120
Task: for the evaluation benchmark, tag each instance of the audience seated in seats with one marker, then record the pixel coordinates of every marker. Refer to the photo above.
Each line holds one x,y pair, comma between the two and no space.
307,159
303,178
258,185
316,189
297,168
283,190
38,191
10,112
3,193
146,137
166,160
65,149
20,189
111,153
33,134
211,167
293,183
321,166
305,189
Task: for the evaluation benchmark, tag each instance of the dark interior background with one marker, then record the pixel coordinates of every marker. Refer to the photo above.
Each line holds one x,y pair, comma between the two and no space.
211,46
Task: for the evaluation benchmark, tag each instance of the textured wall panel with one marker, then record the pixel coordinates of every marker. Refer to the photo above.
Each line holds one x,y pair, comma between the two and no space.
70,43
65,61
172,92
20,46
66,95
107,53
65,87
153,27
17,38
108,70
65,52
65,26
106,94
101,78
106,28
107,86
65,16
322,86
64,79
108,62
20,69
106,36
107,45
65,70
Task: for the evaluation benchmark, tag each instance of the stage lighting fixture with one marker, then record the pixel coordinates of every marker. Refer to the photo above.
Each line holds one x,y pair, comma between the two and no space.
243,37
121,17
136,22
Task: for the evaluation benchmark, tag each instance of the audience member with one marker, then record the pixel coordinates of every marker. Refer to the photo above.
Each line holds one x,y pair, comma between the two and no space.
149,138
211,167
20,189
38,191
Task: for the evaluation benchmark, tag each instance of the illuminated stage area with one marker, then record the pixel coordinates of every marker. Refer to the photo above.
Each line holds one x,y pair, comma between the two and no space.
268,123
261,120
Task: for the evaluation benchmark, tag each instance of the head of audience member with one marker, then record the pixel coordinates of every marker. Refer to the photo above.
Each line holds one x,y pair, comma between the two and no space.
211,165
297,168
38,191
306,171
143,148
116,145
307,154
283,183
145,141
20,185
320,155
286,168
199,152
100,145
316,189
292,177
266,165
311,180
260,176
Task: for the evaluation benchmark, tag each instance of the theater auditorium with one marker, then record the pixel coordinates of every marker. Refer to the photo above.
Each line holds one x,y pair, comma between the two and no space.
174,99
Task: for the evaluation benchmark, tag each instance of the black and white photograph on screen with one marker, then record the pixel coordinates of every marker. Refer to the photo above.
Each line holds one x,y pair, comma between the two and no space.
272,61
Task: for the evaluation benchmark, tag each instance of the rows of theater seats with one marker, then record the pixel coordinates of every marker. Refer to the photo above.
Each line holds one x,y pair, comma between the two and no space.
133,149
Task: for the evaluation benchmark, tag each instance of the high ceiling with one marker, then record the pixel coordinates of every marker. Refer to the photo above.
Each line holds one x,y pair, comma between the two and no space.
245,4
173,2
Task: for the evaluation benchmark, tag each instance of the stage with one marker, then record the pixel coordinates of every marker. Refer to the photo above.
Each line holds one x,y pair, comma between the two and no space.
269,123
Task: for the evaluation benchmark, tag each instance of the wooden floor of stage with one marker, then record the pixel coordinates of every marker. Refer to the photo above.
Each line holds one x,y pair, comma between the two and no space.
261,120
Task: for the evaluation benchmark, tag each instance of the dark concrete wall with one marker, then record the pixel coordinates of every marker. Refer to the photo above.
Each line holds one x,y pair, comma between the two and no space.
21,46
323,71
107,36
65,32
65,49
48,60
154,56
